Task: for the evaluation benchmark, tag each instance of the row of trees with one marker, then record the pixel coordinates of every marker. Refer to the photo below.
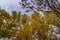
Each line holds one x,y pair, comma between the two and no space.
24,27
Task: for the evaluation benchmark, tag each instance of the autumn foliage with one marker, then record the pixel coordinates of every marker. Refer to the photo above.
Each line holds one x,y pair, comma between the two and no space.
24,27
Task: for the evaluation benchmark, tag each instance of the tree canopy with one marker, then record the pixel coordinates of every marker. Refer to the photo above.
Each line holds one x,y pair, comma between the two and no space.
24,27
20,26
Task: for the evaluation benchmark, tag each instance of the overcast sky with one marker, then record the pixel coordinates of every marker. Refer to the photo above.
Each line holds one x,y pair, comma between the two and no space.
10,5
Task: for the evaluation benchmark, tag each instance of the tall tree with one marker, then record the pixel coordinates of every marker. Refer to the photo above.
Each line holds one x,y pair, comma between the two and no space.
24,27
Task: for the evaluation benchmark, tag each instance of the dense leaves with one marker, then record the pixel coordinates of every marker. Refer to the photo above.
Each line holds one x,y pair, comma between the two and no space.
24,27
